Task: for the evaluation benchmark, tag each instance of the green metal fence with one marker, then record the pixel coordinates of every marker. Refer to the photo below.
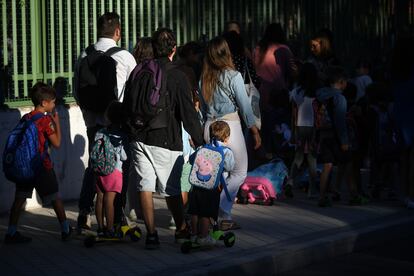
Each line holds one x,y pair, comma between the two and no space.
41,39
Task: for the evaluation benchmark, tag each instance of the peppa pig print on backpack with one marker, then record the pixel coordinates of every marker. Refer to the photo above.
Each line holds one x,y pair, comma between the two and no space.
208,166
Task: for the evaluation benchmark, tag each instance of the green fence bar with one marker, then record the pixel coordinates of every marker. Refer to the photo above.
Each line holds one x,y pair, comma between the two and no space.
15,56
48,45
24,48
5,36
69,37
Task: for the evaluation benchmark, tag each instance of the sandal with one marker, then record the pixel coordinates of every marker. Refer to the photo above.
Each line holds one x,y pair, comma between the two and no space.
226,225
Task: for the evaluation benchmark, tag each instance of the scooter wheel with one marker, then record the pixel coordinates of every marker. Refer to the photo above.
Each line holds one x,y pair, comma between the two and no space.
89,241
135,234
229,239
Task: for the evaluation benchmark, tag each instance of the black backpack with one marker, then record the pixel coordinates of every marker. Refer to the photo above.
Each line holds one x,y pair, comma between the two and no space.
147,100
97,85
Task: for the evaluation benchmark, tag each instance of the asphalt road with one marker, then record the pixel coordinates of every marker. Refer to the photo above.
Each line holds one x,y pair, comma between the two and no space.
392,258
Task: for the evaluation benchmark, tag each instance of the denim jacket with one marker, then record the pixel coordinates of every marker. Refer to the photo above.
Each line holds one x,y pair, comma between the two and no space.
222,105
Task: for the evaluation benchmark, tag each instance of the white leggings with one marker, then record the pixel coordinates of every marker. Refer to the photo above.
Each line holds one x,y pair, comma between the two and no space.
235,177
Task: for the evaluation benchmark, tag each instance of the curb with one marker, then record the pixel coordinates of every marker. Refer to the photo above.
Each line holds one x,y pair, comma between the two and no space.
299,252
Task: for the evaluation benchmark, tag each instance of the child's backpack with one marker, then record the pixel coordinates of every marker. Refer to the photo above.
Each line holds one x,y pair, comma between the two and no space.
97,79
147,100
264,184
103,154
21,157
324,114
207,168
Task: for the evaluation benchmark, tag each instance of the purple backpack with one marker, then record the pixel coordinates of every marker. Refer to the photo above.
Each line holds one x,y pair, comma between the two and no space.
146,100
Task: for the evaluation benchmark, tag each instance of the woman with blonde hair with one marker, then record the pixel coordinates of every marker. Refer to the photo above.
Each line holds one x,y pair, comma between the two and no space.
322,54
223,97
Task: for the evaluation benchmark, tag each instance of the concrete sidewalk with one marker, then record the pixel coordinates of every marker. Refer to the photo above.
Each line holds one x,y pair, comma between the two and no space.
273,239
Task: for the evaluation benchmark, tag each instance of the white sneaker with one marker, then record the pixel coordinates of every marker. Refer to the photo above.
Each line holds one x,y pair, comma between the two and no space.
133,215
193,238
172,224
208,241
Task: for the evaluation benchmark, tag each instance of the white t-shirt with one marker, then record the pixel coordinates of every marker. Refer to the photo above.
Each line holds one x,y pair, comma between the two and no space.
305,107
305,113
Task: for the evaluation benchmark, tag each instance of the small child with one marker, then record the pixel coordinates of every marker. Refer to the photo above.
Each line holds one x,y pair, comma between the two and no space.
303,126
45,182
203,203
107,186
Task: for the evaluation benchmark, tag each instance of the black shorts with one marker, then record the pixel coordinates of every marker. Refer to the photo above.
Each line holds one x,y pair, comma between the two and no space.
330,151
204,203
46,186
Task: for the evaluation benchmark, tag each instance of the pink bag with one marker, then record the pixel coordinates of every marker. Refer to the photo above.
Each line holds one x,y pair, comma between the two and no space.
258,190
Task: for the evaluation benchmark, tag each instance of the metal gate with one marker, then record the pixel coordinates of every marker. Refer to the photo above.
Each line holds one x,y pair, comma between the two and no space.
41,39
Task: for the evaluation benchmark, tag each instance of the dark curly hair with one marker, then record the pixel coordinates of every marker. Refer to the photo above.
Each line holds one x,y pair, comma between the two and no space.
41,92
163,41
107,24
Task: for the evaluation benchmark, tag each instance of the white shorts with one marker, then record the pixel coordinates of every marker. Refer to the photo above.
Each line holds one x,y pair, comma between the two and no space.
155,169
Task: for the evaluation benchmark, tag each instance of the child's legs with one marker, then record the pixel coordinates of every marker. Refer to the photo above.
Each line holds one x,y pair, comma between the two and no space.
108,201
298,160
203,225
15,210
99,208
326,171
312,165
22,193
346,172
59,209
327,158
47,186
184,195
194,225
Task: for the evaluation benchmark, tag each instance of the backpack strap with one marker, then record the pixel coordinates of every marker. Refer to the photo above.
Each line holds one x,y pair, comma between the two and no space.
224,184
113,50
33,119
90,49
220,148
37,117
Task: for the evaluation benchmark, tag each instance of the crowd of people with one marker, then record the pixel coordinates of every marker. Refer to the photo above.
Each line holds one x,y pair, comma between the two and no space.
311,109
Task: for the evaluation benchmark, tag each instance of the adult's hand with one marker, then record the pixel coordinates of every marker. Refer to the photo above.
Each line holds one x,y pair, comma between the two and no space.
256,137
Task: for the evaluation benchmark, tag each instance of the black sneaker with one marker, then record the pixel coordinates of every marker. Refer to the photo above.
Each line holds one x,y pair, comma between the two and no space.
324,202
66,236
152,241
336,196
182,236
16,238
83,223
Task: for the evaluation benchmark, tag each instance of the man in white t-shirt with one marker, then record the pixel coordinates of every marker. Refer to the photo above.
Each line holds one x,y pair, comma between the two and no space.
109,34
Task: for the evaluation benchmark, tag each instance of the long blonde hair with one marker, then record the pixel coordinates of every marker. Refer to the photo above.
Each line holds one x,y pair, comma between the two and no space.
216,60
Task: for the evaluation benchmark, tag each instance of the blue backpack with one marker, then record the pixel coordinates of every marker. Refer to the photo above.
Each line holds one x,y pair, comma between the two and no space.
207,168
21,157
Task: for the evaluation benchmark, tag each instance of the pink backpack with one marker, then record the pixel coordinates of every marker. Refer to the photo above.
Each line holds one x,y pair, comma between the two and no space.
258,190
264,184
